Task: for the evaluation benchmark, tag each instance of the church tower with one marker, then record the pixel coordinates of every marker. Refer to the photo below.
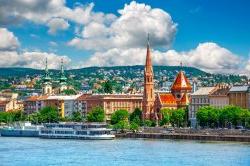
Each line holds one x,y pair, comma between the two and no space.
62,79
148,96
47,85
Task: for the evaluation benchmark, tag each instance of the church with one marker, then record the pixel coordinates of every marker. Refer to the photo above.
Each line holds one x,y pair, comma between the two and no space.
47,88
153,102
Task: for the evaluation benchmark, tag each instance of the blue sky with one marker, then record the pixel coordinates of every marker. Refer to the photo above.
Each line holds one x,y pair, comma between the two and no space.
220,28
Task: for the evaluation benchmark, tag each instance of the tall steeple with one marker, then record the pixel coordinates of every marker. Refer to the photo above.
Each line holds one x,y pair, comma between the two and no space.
47,85
62,79
148,64
46,76
62,67
148,96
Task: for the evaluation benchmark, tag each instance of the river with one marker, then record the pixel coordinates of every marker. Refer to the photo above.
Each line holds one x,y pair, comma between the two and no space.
120,152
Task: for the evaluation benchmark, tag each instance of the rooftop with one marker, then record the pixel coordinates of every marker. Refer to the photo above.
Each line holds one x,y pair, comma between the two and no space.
239,88
181,82
167,98
203,91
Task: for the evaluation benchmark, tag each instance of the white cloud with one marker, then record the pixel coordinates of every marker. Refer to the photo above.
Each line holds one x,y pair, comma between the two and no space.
45,11
31,59
10,57
209,57
56,24
129,30
39,12
8,41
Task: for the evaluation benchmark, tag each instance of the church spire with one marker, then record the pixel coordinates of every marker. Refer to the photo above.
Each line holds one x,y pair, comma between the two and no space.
148,96
46,77
46,67
148,64
62,67
62,78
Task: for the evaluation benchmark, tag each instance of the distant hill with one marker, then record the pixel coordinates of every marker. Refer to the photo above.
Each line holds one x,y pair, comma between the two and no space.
193,70
125,73
15,71
20,72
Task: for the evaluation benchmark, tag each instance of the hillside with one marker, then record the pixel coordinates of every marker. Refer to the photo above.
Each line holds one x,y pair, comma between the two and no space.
21,72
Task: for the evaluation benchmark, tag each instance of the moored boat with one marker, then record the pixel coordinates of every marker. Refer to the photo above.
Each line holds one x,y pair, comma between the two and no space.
95,131
25,129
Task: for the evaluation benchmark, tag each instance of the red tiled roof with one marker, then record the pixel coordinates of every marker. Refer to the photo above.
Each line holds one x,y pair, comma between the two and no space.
167,98
184,99
181,82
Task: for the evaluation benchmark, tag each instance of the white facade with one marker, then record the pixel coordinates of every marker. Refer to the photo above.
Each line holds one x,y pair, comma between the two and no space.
199,99
219,101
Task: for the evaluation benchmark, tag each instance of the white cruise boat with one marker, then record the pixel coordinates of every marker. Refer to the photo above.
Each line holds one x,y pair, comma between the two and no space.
20,129
95,131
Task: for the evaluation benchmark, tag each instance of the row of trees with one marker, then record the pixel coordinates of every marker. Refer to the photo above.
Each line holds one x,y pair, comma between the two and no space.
229,116
45,115
177,118
208,116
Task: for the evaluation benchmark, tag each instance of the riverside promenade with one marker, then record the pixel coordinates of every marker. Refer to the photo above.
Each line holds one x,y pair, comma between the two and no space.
191,134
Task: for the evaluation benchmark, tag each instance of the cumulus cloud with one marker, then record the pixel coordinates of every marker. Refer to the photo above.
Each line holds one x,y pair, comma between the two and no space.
15,11
8,41
52,13
31,59
129,29
10,57
208,56
56,24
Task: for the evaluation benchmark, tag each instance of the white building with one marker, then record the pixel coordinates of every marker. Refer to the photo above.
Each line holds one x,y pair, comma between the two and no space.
199,99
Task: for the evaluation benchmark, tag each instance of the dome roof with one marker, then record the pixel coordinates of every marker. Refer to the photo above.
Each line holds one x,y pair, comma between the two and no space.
181,82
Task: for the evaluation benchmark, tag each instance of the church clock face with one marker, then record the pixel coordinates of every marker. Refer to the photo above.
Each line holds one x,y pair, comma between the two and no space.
178,96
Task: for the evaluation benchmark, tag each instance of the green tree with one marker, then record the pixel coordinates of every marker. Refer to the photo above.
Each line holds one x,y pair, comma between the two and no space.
230,115
245,118
178,118
69,92
77,116
108,87
12,116
123,124
96,115
119,115
166,113
49,114
148,123
134,126
202,116
136,117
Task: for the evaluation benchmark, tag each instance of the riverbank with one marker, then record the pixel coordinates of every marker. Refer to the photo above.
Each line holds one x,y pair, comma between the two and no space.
201,137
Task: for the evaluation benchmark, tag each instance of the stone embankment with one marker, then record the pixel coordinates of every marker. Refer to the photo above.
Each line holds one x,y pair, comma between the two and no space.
191,134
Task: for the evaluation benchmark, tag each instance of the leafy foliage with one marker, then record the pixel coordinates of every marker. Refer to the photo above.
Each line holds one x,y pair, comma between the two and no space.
108,87
69,92
226,117
166,113
96,115
77,117
136,117
119,115
8,117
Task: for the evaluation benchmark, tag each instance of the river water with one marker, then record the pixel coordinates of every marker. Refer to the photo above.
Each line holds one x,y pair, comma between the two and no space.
119,152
